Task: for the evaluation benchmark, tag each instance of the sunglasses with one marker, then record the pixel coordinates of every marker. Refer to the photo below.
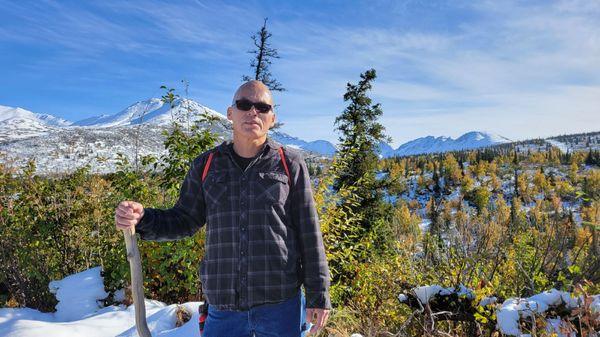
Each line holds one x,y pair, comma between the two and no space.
246,105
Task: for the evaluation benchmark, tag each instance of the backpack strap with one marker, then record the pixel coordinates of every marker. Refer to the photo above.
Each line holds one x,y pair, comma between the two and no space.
207,166
285,166
203,309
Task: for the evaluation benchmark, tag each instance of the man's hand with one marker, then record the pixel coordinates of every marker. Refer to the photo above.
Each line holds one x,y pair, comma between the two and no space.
128,214
319,321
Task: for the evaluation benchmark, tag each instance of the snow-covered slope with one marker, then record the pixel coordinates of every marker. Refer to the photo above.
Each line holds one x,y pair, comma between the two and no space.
153,111
430,144
18,123
59,146
79,313
321,147
385,150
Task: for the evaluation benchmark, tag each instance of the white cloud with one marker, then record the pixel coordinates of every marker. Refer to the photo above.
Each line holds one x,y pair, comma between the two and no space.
523,71
507,67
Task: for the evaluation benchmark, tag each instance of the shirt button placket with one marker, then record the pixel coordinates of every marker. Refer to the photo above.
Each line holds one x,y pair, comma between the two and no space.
243,242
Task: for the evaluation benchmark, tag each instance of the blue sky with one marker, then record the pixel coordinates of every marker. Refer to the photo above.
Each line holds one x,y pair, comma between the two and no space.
519,69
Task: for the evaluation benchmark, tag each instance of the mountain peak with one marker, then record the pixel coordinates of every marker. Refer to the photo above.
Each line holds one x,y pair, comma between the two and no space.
431,144
152,111
19,123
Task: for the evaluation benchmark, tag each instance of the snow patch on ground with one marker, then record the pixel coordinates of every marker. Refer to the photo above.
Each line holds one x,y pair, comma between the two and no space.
561,146
79,314
78,295
513,309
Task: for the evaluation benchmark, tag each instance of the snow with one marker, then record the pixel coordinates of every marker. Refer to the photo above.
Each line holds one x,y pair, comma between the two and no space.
78,294
431,144
508,317
79,314
488,301
595,306
561,146
425,293
321,147
7,113
424,225
152,111
109,321
556,325
60,146
18,123
513,309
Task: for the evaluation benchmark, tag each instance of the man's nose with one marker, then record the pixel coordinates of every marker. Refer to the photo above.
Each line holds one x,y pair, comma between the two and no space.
252,111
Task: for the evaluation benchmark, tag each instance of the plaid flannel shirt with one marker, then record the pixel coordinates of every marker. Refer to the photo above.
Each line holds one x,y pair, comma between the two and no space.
263,239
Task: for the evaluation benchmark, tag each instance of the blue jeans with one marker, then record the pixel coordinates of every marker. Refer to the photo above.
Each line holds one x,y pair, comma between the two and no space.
284,319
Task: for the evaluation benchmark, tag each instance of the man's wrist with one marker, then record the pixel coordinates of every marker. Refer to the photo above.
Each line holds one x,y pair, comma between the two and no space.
318,300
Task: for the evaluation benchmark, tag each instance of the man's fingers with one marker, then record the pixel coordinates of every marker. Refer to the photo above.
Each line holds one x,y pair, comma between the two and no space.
125,223
325,318
310,313
126,208
136,206
319,322
127,215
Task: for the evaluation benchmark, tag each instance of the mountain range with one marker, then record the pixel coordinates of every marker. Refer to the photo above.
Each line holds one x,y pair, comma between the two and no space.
96,140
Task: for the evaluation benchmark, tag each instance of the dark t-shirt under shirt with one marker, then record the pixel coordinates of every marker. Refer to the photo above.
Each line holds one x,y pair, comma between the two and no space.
243,162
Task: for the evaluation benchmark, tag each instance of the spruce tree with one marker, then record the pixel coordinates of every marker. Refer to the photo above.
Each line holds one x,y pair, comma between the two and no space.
263,54
357,156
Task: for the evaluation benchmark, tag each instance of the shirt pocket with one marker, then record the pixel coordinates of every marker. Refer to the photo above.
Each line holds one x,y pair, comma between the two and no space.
215,192
272,187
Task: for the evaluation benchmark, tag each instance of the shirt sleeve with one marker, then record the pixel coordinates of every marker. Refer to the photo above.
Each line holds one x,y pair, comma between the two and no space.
304,216
184,219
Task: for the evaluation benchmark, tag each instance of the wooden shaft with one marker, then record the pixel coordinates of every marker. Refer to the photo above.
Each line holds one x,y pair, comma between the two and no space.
137,282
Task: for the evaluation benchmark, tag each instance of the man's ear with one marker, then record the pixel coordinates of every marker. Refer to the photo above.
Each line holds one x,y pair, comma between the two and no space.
229,112
273,120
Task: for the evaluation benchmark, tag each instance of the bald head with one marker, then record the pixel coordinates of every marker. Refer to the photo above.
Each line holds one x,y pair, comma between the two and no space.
251,89
252,120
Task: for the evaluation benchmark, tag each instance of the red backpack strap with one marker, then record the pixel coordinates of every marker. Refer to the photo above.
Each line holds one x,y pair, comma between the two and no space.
285,166
207,166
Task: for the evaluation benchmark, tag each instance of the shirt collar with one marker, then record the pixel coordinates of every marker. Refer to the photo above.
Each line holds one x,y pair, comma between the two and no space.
269,144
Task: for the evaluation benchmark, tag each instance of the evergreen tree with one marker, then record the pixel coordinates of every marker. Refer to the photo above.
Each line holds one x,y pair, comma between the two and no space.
357,156
263,54
355,226
360,132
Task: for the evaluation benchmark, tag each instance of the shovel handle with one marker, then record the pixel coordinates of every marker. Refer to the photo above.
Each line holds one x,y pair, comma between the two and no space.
137,282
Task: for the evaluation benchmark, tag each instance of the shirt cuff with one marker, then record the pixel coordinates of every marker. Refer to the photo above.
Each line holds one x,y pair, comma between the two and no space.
145,222
319,300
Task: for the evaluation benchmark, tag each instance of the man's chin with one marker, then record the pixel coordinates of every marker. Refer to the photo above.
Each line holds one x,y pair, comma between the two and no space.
252,134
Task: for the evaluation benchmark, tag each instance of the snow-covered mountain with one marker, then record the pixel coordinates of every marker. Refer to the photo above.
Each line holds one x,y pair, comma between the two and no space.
153,111
58,145
385,150
322,147
431,144
18,123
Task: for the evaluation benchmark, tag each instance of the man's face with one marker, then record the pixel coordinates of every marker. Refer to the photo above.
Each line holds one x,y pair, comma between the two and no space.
252,123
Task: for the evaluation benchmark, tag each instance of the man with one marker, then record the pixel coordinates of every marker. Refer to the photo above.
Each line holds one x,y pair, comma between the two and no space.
263,239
